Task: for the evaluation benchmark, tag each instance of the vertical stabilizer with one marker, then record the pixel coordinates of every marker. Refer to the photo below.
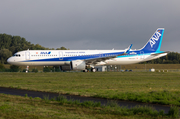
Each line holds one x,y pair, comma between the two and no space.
154,43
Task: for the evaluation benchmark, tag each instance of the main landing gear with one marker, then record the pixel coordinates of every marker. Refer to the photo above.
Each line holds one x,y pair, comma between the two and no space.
92,70
85,70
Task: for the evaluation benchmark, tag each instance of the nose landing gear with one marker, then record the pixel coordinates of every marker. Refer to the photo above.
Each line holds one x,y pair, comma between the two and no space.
27,69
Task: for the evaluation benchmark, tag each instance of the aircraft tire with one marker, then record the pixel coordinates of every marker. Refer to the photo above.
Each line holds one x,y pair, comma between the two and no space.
85,70
93,70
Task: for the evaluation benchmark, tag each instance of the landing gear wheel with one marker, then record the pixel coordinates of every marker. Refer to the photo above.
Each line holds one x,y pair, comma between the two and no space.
27,69
93,70
85,70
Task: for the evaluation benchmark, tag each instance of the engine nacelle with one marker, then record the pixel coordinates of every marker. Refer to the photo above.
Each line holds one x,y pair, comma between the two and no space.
78,65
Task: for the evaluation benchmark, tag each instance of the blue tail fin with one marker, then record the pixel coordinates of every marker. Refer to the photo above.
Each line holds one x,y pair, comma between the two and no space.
154,43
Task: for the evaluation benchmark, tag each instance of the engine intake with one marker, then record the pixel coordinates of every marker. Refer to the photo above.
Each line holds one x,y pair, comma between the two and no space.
78,65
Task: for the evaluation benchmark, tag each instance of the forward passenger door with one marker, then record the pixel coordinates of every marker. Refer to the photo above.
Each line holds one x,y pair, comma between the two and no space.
27,55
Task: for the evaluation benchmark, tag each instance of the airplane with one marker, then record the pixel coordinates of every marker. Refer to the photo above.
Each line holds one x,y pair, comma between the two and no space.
80,59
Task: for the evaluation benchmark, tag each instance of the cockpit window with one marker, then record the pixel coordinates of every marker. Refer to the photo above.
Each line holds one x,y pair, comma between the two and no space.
17,55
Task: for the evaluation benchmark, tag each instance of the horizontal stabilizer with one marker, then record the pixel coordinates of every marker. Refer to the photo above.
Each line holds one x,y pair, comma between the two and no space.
156,54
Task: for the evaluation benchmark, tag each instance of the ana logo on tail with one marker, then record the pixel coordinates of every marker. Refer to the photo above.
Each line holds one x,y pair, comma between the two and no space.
154,39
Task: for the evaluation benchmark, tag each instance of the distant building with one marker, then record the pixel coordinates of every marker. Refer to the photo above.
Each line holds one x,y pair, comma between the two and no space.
101,68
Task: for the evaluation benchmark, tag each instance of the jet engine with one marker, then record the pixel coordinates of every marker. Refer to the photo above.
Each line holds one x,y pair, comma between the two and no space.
78,65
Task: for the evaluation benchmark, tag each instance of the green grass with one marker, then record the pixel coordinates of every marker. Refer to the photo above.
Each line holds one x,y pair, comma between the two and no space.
28,107
161,88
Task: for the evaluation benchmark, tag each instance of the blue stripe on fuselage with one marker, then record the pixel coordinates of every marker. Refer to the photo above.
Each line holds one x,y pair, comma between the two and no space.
86,57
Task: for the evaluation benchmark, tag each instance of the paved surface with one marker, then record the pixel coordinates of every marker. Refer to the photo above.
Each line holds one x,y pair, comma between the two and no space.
128,104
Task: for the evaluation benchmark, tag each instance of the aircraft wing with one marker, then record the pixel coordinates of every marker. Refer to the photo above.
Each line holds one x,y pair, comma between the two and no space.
96,60
103,58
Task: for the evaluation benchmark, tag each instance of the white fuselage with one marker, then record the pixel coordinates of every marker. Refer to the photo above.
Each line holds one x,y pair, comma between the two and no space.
64,57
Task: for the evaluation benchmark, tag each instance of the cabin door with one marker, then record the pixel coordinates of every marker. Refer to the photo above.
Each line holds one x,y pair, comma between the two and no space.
100,54
60,55
27,55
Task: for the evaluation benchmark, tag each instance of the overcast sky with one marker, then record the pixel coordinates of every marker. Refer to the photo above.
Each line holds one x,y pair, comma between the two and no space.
92,24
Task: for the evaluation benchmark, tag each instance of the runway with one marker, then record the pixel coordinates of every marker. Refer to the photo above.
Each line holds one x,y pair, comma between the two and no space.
127,104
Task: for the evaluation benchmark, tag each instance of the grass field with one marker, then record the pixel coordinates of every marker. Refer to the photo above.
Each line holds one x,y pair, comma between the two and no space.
16,107
161,88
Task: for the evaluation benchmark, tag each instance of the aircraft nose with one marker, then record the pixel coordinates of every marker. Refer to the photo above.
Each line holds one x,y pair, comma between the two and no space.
9,60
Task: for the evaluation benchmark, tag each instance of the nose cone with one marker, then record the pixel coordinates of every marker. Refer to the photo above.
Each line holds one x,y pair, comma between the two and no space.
10,61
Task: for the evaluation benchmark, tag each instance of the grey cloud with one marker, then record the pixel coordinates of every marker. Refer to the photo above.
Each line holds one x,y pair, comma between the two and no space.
92,24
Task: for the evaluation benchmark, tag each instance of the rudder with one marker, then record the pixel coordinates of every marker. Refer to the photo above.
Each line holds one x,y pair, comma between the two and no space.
154,43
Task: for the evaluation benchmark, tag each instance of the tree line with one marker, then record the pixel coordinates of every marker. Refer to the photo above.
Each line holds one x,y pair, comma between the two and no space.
11,44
